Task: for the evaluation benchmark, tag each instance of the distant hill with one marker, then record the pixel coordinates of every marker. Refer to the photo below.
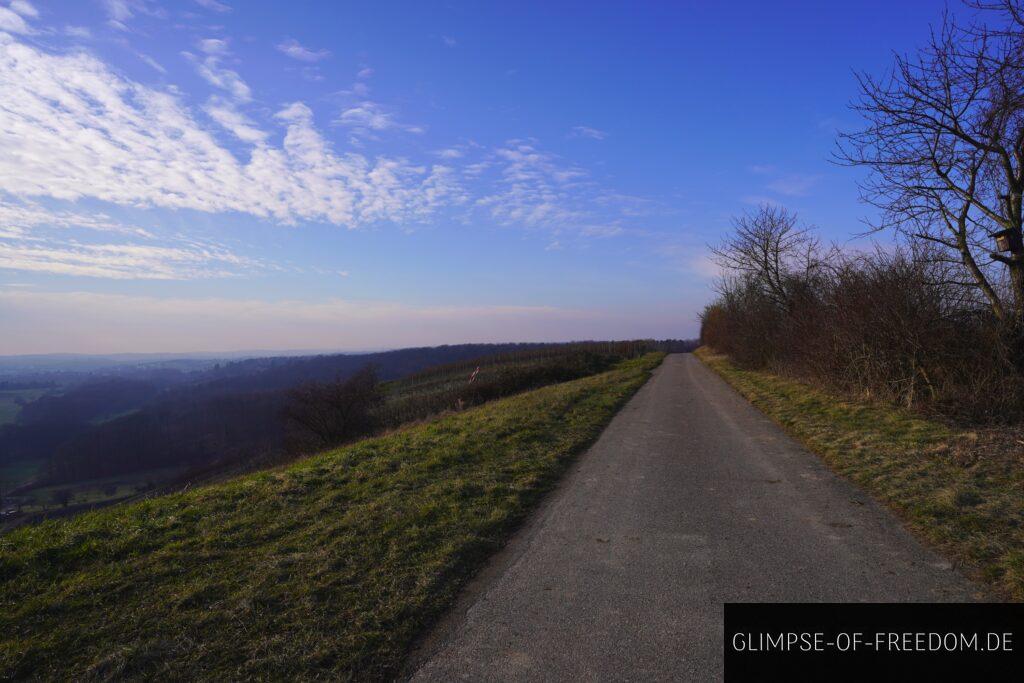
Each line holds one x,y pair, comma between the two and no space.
230,413
263,374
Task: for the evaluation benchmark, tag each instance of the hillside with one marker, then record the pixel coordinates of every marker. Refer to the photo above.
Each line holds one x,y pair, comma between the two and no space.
110,439
328,568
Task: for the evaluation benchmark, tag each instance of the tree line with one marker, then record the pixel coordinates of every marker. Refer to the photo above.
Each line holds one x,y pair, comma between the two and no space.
937,321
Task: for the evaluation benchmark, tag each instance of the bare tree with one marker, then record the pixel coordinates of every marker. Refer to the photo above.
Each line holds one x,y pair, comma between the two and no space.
768,248
944,139
322,415
1012,10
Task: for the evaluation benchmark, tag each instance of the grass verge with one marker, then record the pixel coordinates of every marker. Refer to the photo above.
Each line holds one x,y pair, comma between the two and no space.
963,491
326,569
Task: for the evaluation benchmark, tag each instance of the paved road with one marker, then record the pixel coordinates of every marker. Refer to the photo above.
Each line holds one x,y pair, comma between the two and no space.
691,498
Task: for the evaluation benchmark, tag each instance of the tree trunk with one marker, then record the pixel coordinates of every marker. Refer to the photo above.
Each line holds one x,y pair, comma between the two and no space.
1017,283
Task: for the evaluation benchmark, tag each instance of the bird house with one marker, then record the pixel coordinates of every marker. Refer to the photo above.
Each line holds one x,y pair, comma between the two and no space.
1009,240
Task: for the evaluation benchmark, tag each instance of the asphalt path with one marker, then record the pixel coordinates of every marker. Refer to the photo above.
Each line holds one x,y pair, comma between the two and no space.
690,498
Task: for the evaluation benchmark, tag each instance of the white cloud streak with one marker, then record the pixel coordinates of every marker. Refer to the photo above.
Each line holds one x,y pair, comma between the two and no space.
120,12
214,46
588,132
70,128
211,70
366,118
34,238
80,32
214,5
24,216
535,189
297,50
120,261
238,124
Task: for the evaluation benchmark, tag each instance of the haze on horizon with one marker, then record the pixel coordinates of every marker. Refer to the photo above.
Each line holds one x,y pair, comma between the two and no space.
209,175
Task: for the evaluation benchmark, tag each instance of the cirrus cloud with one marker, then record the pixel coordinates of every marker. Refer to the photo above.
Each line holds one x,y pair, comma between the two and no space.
297,50
70,127
120,261
588,132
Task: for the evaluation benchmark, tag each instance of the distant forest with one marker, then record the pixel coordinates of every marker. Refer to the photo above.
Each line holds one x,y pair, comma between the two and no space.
250,411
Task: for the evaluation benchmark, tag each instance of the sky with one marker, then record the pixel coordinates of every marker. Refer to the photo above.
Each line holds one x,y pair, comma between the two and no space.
220,175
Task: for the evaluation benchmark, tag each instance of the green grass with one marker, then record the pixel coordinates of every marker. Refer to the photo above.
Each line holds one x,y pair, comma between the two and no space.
326,569
963,498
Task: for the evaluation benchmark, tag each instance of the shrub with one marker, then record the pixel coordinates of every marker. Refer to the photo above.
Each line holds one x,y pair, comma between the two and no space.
888,325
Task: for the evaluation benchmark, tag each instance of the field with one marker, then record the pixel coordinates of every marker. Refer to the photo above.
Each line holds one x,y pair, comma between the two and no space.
328,568
960,490
9,407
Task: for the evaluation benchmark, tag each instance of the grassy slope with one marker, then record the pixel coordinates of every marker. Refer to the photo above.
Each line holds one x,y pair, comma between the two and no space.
971,508
328,568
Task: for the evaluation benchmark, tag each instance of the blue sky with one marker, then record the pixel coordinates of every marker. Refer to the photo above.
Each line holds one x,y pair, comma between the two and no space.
209,175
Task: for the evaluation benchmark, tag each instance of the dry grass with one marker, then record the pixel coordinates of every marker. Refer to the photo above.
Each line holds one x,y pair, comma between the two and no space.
963,491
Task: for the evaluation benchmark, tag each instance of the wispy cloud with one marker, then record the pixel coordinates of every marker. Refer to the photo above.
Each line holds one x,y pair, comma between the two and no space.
214,5
214,46
214,73
141,146
81,32
242,127
449,41
296,50
35,238
119,261
522,185
153,64
26,215
120,12
534,188
449,153
367,116
588,132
